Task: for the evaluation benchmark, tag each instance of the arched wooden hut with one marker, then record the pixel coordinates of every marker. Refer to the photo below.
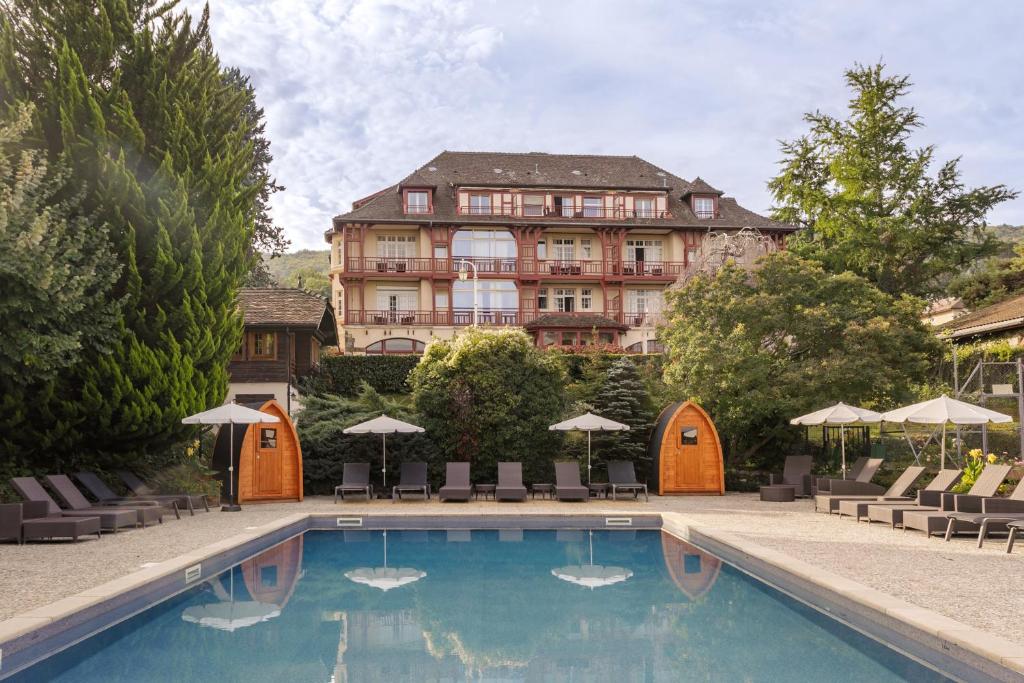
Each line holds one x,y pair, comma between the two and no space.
686,452
267,457
692,569
271,576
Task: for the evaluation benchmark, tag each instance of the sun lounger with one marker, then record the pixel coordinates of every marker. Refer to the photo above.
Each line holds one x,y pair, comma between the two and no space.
412,479
1014,528
69,494
456,482
355,478
141,489
567,482
622,477
29,520
824,484
943,481
796,472
846,489
111,519
99,490
510,482
933,519
985,514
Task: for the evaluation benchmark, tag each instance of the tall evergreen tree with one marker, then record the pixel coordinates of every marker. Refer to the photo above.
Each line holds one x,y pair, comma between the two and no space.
866,200
133,96
623,398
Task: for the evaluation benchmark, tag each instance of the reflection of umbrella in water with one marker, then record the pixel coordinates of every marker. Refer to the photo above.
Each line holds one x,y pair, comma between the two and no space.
385,578
592,575
229,615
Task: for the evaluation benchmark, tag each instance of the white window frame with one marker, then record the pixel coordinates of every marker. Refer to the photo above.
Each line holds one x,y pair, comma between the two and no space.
592,210
652,248
586,299
647,211
535,208
704,205
480,204
542,299
396,246
411,207
562,295
563,249
586,248
567,210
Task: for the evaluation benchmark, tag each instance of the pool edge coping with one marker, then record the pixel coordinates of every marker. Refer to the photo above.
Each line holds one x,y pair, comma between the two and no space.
925,625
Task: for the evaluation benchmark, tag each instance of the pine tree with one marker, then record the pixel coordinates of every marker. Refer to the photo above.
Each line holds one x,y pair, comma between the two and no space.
133,96
623,398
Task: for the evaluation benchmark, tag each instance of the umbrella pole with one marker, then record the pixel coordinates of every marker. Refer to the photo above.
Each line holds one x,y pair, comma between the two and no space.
842,447
232,505
384,461
943,449
588,457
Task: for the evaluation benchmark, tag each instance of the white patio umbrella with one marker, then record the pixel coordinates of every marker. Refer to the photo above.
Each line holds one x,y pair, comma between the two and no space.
384,425
230,414
588,423
385,578
592,575
842,415
945,411
229,615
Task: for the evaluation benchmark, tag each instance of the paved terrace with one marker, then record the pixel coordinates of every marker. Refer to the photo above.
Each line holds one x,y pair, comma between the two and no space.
978,587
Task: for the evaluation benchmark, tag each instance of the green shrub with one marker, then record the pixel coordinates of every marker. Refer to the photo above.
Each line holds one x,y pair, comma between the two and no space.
343,375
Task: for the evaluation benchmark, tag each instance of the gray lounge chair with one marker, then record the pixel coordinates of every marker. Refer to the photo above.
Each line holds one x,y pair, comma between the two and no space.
69,494
104,496
567,482
111,519
510,482
355,478
29,521
985,514
942,481
412,479
824,484
1014,528
933,519
796,472
184,500
456,482
622,477
844,488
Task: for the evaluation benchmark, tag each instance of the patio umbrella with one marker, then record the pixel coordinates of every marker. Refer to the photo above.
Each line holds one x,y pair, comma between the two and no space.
385,578
384,425
229,615
842,415
588,423
592,575
230,414
945,411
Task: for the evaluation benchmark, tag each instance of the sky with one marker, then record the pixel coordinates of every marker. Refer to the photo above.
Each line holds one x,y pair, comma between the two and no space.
359,93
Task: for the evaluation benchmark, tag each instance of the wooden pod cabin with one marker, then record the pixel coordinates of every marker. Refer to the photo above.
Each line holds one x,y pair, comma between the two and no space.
268,458
686,452
693,570
271,576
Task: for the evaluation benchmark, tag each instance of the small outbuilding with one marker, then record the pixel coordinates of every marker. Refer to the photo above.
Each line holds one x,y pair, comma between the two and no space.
686,452
267,457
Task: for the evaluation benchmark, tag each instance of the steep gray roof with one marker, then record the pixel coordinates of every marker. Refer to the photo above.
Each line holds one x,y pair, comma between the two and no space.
287,307
449,170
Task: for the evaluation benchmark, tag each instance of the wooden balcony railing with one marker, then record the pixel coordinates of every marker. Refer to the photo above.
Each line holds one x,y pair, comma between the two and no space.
462,317
512,267
572,211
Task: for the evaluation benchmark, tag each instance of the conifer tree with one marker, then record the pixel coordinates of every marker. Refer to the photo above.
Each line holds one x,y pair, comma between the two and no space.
623,398
133,96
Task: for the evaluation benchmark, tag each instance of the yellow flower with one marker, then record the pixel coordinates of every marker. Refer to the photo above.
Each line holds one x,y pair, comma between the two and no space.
992,458
975,453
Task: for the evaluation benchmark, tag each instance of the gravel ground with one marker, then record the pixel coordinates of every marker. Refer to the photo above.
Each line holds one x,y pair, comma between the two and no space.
978,587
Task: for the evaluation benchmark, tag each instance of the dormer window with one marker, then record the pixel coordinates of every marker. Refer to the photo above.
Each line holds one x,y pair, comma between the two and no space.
704,207
417,201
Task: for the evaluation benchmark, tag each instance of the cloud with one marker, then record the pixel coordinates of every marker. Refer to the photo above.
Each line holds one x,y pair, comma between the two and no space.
359,93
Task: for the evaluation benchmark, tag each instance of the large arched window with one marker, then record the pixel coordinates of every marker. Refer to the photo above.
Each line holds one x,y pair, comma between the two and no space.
396,346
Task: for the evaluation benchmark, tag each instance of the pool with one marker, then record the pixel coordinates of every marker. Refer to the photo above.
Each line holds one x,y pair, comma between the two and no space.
533,605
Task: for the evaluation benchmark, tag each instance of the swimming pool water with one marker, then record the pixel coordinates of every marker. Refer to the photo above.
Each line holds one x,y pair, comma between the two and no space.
511,605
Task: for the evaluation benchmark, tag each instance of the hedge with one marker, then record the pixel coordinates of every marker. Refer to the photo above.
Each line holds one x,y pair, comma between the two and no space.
343,374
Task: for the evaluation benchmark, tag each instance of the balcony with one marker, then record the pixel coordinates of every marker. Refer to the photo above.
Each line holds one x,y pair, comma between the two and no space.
564,211
500,317
513,267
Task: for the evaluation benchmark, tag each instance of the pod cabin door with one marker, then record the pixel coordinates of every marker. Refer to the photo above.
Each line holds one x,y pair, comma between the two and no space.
268,460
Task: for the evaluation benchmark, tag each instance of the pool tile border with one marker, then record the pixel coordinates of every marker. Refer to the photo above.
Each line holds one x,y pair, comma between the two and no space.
955,648
952,646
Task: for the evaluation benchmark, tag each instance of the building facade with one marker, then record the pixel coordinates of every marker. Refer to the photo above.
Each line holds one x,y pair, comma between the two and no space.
577,249
284,332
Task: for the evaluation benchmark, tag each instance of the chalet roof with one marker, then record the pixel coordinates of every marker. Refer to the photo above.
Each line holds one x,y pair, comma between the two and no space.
450,170
287,307
1005,315
575,321
700,186
944,305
